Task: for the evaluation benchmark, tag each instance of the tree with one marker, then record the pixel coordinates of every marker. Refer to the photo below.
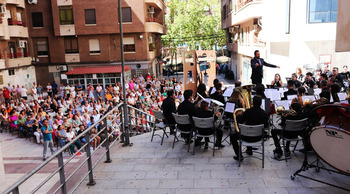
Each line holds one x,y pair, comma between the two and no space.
193,22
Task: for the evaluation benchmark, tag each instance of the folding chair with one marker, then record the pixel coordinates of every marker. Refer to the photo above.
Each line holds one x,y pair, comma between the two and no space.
252,131
161,125
182,120
204,123
293,126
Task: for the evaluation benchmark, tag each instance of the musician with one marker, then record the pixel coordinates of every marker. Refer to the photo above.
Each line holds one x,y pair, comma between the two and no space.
309,82
295,114
335,89
326,70
323,76
297,83
345,74
168,107
186,108
201,89
260,90
257,64
211,88
203,112
290,91
252,116
300,92
300,75
217,95
277,82
325,90
236,98
337,77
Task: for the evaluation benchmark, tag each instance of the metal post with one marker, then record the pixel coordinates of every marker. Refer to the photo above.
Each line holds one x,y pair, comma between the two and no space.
108,160
88,154
126,131
15,191
122,125
62,174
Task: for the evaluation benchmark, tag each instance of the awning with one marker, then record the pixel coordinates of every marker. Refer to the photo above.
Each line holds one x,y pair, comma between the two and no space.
97,70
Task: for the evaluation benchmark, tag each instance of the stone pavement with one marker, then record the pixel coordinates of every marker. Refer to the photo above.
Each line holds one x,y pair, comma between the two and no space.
148,167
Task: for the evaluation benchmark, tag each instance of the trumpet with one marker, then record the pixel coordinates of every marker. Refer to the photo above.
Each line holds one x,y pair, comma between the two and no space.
280,110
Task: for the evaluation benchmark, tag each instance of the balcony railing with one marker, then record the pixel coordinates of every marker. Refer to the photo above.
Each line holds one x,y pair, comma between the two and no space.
15,22
17,55
152,19
242,3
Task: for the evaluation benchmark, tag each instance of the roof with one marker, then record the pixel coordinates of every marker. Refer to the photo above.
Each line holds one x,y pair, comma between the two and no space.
97,70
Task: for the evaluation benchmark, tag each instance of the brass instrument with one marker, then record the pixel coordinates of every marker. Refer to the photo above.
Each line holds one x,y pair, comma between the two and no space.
246,93
235,117
280,110
320,101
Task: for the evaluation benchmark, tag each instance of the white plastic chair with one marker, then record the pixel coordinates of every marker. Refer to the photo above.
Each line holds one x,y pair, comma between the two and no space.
204,123
182,120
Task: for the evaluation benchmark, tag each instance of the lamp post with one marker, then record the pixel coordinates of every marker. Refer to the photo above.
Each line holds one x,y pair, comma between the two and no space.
126,125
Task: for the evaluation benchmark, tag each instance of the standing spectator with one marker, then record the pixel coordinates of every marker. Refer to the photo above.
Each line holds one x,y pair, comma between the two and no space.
47,136
90,90
72,91
54,87
131,85
14,93
62,89
18,93
24,93
9,87
37,131
99,90
49,89
35,92
79,88
6,94
40,90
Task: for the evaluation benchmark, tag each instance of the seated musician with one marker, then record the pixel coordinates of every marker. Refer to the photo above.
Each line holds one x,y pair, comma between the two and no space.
323,76
186,108
334,89
297,83
277,82
291,91
214,83
217,95
301,92
295,114
325,90
203,112
201,90
309,82
236,98
252,116
260,91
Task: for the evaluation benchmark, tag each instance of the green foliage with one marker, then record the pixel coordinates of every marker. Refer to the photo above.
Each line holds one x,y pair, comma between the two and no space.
192,22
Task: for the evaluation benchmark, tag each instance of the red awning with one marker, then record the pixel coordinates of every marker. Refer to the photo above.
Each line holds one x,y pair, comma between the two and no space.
97,70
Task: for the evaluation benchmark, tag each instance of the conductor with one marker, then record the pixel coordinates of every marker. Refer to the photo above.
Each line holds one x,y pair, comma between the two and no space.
257,64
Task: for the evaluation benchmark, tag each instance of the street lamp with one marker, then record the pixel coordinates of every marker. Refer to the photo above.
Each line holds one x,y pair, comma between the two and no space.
126,125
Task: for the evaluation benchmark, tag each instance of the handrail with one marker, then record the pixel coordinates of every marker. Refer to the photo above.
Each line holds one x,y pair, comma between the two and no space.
14,187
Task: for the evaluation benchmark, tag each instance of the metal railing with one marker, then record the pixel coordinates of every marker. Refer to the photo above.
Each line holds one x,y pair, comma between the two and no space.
146,125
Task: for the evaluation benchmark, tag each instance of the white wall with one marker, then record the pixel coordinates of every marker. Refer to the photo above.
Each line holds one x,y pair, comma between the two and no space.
23,76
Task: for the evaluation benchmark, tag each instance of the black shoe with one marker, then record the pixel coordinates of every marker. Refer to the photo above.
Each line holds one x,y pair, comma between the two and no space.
236,158
44,159
219,145
198,144
277,153
249,152
206,146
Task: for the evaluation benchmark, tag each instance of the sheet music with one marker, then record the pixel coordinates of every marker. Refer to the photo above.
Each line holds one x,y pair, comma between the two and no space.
208,100
291,97
213,91
262,104
228,92
312,98
342,95
344,102
284,103
281,91
317,92
230,107
273,94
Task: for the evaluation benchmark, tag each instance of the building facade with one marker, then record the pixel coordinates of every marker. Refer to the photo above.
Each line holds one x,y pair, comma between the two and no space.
15,62
288,33
75,33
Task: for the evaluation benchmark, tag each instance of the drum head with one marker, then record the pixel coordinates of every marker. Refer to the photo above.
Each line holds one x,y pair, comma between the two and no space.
333,146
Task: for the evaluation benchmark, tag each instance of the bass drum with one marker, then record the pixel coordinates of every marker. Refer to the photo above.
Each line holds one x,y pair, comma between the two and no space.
332,145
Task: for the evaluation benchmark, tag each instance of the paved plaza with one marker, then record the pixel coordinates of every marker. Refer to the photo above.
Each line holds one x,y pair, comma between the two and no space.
148,167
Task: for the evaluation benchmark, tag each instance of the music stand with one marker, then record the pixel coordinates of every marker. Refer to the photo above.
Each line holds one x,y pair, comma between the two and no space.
229,108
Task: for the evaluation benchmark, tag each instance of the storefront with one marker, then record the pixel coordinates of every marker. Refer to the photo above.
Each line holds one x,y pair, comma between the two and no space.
97,75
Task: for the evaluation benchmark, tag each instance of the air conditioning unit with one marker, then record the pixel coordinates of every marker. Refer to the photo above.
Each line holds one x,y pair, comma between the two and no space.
2,9
21,44
150,39
151,10
32,1
63,68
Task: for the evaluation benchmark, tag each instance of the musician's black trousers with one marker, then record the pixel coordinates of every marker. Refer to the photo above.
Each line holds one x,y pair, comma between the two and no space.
234,141
288,134
219,134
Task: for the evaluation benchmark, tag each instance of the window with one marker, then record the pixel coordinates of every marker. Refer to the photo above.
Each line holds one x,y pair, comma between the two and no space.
42,48
71,45
129,44
126,14
90,16
66,15
322,11
94,45
11,72
37,19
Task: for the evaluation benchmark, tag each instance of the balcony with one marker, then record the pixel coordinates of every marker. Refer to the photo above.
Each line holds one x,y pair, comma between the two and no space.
18,31
155,3
18,62
247,49
64,2
18,3
155,26
72,58
67,30
151,55
247,10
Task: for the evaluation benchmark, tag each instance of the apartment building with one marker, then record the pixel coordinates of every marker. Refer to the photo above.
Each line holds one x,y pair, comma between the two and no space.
288,33
68,34
15,62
